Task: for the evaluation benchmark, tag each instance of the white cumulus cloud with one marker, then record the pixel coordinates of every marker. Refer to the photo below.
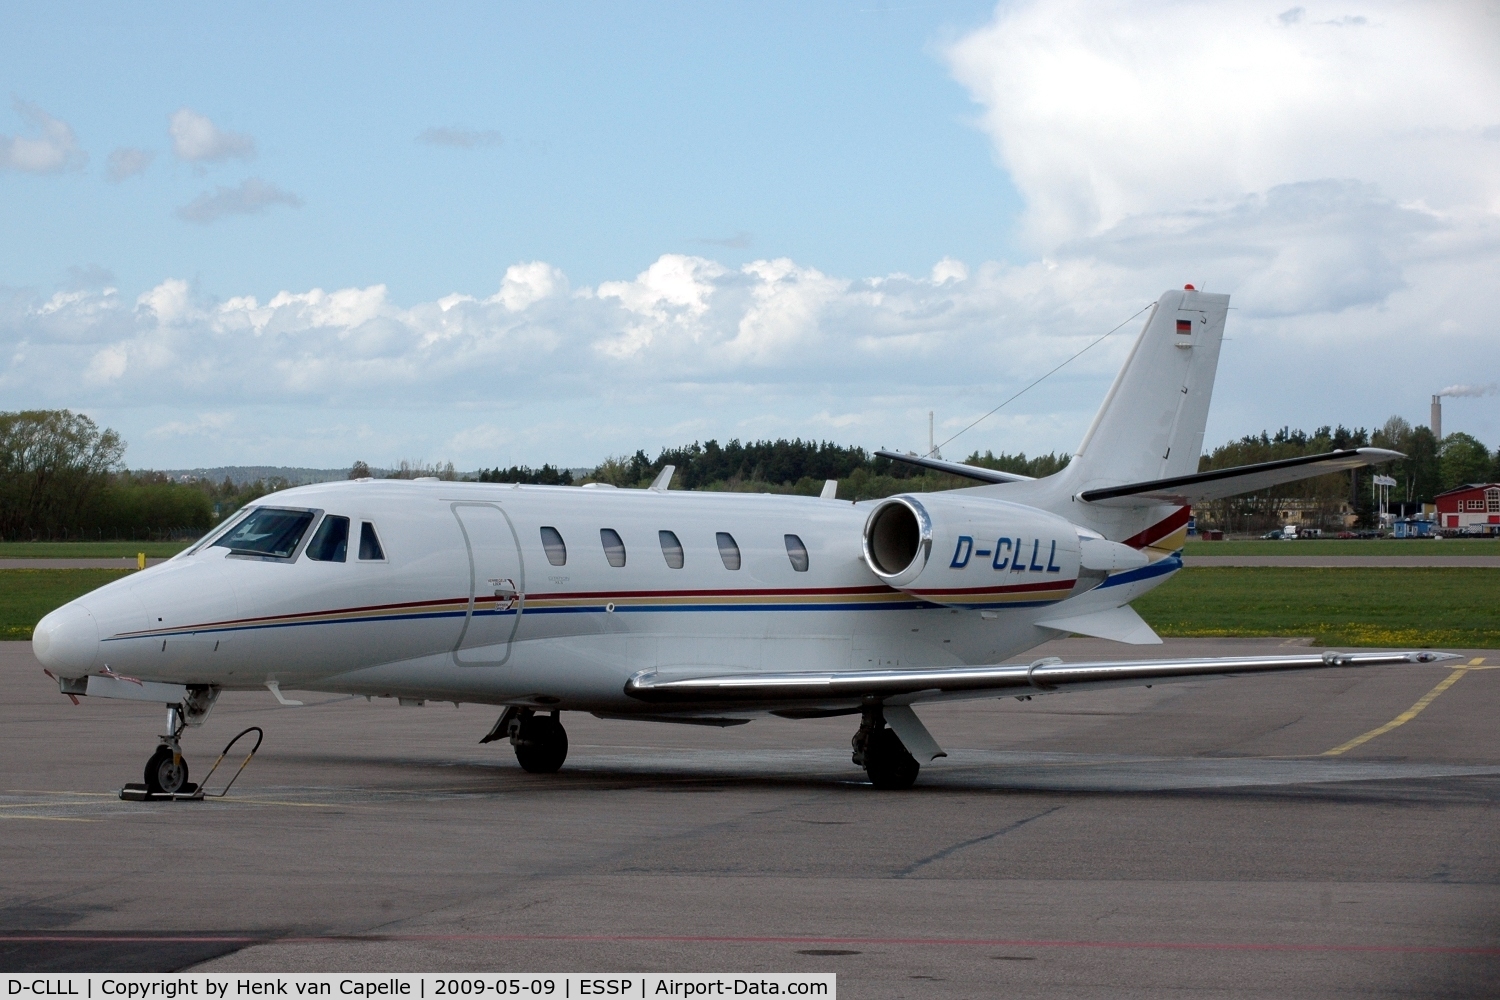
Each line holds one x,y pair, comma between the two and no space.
196,139
1103,111
50,148
691,348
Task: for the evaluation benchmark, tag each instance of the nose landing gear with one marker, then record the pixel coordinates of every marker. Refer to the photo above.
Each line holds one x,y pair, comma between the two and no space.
167,773
167,768
166,777
540,741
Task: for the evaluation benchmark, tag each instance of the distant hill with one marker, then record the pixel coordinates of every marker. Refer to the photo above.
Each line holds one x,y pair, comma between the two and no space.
242,474
296,475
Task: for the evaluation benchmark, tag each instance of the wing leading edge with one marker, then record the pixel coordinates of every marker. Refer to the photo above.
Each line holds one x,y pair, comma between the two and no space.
764,690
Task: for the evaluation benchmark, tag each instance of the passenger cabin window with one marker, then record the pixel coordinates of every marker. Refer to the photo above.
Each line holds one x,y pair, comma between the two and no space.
796,552
330,543
554,546
614,548
267,531
671,548
729,550
369,542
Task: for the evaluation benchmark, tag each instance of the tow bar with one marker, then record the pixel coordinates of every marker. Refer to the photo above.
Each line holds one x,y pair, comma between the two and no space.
136,792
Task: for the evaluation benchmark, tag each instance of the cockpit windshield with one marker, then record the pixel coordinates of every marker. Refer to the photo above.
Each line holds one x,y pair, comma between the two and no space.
267,531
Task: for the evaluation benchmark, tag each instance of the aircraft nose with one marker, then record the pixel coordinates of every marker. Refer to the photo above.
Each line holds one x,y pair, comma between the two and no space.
67,640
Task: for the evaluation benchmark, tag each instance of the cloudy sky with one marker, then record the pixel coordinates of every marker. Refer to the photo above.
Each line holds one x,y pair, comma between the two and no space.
304,234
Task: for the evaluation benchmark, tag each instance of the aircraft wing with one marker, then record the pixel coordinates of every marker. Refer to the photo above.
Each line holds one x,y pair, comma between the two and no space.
1221,483
956,468
846,686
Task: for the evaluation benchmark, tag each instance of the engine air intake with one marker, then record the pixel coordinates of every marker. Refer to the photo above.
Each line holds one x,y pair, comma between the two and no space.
898,539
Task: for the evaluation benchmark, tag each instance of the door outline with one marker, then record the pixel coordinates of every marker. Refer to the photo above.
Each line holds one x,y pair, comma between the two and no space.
517,593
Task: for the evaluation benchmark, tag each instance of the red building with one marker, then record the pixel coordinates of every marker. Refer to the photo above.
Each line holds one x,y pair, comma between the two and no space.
1474,509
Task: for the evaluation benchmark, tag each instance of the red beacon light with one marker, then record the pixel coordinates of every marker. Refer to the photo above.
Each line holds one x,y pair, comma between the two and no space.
1188,288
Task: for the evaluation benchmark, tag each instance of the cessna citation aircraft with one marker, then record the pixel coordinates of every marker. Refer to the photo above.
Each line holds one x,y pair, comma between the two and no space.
706,608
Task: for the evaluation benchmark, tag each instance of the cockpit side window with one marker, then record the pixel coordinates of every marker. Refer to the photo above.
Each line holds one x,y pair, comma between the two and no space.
330,543
267,531
369,542
554,546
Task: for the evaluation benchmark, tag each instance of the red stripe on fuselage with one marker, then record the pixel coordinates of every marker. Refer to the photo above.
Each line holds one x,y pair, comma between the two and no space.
1014,589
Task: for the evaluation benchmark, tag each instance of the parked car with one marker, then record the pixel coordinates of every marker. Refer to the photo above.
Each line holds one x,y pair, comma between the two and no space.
1347,534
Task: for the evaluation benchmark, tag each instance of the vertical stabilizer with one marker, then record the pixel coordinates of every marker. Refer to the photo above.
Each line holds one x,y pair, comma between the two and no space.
1152,421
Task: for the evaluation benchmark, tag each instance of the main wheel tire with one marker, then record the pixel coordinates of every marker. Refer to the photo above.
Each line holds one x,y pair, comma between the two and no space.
542,745
887,761
164,774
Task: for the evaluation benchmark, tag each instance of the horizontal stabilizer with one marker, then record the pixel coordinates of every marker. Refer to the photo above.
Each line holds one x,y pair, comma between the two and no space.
956,468
1221,483
852,686
1121,624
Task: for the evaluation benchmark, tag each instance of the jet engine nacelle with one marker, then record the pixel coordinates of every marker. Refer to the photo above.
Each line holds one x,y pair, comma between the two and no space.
973,552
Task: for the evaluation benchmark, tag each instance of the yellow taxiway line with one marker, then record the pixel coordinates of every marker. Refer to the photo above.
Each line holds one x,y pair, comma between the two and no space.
1410,713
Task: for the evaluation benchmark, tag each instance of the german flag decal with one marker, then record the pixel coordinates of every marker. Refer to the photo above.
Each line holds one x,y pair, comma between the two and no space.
1185,326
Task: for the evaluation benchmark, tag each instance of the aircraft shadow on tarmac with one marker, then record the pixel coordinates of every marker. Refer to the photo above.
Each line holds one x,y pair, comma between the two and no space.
967,772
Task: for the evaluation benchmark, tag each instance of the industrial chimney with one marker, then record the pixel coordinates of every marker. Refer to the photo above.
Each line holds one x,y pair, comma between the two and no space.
1437,417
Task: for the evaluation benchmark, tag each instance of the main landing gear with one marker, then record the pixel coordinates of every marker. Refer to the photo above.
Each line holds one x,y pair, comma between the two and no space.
541,742
882,754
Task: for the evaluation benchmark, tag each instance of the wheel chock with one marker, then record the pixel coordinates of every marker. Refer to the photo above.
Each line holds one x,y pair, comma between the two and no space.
137,792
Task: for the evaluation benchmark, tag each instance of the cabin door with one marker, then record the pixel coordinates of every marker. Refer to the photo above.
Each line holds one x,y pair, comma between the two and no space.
497,585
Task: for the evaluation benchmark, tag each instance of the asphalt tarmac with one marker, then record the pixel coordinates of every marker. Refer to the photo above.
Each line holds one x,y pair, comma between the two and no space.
1188,839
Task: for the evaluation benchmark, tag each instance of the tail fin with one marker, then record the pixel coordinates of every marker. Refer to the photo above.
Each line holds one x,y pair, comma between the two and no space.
1151,424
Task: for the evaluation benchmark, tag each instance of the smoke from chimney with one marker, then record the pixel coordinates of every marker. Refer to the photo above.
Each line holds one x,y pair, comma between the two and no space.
1469,390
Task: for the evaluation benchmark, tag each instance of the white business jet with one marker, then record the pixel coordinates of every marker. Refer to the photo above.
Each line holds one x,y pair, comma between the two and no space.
706,608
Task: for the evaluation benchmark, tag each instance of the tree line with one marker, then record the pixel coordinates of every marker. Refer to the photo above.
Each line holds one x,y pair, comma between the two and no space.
1429,468
63,477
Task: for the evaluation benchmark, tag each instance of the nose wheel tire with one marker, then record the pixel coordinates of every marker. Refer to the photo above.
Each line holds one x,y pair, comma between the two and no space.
887,761
541,744
166,772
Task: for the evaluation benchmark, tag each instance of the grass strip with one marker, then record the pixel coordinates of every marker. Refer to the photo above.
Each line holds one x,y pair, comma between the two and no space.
89,550
1420,607
1347,547
28,594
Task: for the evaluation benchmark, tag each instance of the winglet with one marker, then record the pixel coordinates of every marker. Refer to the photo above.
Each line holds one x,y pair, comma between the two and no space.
663,480
830,490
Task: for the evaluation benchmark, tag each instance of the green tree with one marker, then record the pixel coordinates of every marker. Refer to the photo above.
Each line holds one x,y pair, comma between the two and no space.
1463,459
53,464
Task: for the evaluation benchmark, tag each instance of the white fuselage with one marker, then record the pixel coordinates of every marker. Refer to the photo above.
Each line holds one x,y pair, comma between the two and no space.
466,604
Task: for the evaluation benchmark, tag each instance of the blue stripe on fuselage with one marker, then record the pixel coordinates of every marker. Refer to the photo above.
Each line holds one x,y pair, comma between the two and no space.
1161,567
